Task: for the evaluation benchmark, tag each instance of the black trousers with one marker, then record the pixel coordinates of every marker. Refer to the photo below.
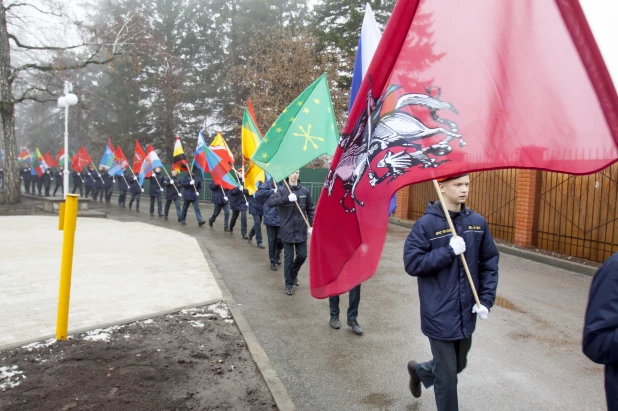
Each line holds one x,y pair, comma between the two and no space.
354,300
81,191
176,202
291,264
274,243
61,187
226,213
449,359
159,205
39,186
196,208
256,230
243,221
89,189
27,186
108,194
122,198
135,197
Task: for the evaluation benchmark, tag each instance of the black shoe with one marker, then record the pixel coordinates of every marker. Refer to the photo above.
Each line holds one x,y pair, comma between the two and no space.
151,215
165,218
334,322
244,237
137,210
415,382
273,267
210,223
231,231
249,240
260,245
289,291
278,261
296,282
183,223
226,230
201,223
355,327
160,215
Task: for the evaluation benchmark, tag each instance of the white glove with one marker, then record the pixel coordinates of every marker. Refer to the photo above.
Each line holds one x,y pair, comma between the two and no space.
135,178
481,311
197,194
292,197
310,230
192,182
113,180
247,204
51,179
224,198
458,245
180,195
142,190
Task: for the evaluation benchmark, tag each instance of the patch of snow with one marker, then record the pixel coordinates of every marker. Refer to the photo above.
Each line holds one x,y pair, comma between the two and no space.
229,321
147,322
10,377
102,334
204,315
196,323
221,309
38,344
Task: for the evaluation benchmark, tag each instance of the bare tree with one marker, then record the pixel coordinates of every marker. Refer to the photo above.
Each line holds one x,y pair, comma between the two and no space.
31,65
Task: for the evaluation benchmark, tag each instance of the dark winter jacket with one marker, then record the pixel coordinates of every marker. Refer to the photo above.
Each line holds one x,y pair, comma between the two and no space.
217,195
189,191
123,181
293,228
47,177
108,180
237,199
59,177
154,190
98,179
271,214
172,187
601,326
90,177
443,287
77,178
134,186
25,174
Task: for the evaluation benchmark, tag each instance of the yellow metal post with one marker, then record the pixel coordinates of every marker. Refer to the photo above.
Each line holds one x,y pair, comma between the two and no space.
61,217
70,221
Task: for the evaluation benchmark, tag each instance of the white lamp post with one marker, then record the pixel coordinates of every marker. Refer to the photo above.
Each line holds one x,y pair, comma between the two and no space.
69,99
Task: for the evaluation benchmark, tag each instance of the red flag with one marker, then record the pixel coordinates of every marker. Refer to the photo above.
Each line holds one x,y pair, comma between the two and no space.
109,144
49,160
461,87
80,160
138,157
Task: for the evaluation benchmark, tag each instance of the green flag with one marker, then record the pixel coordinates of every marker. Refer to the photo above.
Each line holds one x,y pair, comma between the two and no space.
304,131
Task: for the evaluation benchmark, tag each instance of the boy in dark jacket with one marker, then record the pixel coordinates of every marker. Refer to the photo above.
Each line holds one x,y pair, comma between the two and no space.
293,229
172,194
221,202
601,326
272,223
48,177
156,184
190,193
37,182
136,192
238,205
108,185
26,176
77,183
448,309
123,187
59,179
98,185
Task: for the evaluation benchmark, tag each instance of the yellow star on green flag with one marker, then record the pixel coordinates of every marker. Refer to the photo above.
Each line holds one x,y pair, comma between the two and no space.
304,131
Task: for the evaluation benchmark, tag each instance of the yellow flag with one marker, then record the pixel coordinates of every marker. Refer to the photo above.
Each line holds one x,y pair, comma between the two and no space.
251,139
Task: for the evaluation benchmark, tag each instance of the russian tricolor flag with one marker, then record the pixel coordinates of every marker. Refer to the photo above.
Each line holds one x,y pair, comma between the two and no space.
367,45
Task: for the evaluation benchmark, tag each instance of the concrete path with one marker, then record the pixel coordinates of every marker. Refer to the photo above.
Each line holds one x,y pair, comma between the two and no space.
120,271
526,356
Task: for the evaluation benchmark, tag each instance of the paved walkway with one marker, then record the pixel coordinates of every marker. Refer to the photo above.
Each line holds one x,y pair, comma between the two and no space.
120,271
527,356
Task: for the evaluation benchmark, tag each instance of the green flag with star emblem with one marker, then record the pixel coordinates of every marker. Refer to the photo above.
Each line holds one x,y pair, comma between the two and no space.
304,131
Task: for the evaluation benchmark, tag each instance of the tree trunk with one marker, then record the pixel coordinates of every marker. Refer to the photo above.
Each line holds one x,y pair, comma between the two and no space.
12,186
